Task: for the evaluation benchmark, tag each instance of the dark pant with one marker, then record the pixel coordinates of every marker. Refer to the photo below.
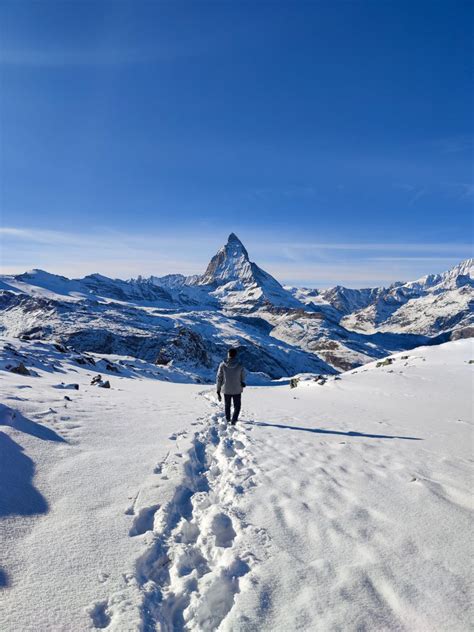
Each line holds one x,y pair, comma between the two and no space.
237,399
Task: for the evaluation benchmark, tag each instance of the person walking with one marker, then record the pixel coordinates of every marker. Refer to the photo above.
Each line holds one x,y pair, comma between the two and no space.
231,379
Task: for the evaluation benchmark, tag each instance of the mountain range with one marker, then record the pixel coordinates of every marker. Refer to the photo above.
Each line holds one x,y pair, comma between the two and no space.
189,322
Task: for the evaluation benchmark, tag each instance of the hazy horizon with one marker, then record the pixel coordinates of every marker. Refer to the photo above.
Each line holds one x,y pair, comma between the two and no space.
292,263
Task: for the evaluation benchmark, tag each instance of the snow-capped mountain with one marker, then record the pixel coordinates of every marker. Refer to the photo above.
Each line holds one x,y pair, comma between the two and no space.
459,276
192,320
231,281
434,304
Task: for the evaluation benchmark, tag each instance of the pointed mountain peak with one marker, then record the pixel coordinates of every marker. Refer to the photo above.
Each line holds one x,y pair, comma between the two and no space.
231,263
231,267
233,239
234,247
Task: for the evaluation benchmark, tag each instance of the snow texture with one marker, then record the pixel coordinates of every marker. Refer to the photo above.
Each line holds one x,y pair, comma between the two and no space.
341,504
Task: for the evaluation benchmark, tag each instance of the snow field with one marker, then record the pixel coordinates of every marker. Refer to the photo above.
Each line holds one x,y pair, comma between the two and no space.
346,506
364,487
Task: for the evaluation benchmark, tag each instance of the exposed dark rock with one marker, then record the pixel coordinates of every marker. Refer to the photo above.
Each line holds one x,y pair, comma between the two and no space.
385,362
74,387
20,369
145,346
82,360
98,381
188,346
111,367
320,379
35,333
464,332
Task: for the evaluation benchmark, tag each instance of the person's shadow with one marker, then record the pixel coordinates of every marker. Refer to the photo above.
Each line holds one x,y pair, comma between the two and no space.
350,433
18,495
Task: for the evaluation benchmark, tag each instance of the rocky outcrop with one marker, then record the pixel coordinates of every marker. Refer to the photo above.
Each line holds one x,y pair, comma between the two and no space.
20,369
187,347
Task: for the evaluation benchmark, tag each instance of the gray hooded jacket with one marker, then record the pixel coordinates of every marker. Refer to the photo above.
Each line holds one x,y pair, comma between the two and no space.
230,376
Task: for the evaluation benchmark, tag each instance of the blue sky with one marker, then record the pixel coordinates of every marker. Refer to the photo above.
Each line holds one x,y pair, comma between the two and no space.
335,138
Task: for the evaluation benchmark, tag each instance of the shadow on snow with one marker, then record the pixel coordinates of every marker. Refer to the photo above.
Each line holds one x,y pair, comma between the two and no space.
3,579
18,496
350,433
14,419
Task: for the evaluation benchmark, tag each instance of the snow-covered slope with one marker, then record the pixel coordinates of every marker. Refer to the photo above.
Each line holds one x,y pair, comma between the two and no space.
334,344
343,506
39,283
460,276
188,338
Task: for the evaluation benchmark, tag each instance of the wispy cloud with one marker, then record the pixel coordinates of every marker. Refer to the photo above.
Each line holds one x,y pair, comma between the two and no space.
416,196
382,246
110,252
461,190
365,273
317,264
455,144
100,57
289,191
60,58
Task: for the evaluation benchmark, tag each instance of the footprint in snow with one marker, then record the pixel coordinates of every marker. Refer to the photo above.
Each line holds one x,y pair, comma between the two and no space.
192,559
143,522
177,435
223,530
99,615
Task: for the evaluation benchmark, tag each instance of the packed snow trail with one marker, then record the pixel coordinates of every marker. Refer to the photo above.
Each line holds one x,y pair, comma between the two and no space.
202,548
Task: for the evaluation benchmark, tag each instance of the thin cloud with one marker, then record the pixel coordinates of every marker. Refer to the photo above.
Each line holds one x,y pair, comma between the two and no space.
61,58
117,238
455,144
417,259
106,57
364,274
461,190
417,196
387,246
317,264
